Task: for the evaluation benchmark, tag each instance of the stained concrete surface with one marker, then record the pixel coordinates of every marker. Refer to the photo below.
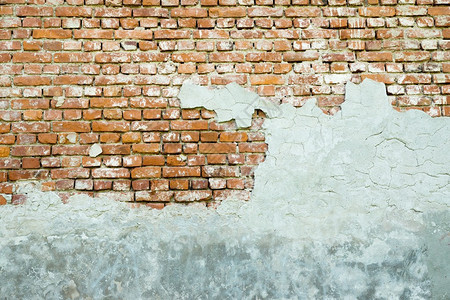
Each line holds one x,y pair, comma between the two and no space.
350,206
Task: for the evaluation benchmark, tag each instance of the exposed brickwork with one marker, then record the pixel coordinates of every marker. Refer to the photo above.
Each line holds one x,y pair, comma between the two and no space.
79,72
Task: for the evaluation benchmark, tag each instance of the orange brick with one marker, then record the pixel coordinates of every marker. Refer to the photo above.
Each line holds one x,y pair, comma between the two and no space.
189,12
179,184
266,79
146,172
379,11
153,160
4,151
181,172
131,137
52,34
32,80
227,12
147,148
73,11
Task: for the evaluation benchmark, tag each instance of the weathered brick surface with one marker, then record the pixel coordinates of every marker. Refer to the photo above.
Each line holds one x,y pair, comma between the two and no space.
77,73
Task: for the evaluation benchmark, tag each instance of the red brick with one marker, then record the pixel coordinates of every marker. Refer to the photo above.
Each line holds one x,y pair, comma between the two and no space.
64,184
190,196
189,57
189,12
252,147
220,171
265,12
110,126
357,34
113,58
50,162
141,184
189,125
4,151
379,11
156,196
147,148
150,12
9,163
6,10
111,173
28,127
52,34
34,11
300,56
30,163
211,34
93,34
220,195
70,150
217,148
32,80
266,79
113,12
412,56
28,174
133,34
73,11
375,56
172,148
319,34
72,57
150,126
414,79
132,161
153,160
102,185
385,78
146,172
30,150
227,12
91,161
233,137
7,139
302,12
423,33
72,80
181,171
226,57
439,11
209,136
116,149
131,137
5,188
67,126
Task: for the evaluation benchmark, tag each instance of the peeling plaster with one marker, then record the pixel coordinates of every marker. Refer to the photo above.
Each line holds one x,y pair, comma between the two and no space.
95,150
232,102
59,101
350,206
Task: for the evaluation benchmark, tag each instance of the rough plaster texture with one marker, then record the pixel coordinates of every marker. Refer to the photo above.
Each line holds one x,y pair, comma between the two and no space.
350,206
231,102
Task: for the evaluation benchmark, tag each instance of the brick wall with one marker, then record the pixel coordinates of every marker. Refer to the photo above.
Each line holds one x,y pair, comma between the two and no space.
77,73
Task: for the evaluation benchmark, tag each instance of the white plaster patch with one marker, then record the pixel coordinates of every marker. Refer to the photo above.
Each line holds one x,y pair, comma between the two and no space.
95,150
59,101
232,102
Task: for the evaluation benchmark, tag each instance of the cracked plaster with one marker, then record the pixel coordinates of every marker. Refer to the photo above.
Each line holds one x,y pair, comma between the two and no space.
350,206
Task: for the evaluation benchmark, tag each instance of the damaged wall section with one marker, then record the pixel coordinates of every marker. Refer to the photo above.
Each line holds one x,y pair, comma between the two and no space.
354,205
166,153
